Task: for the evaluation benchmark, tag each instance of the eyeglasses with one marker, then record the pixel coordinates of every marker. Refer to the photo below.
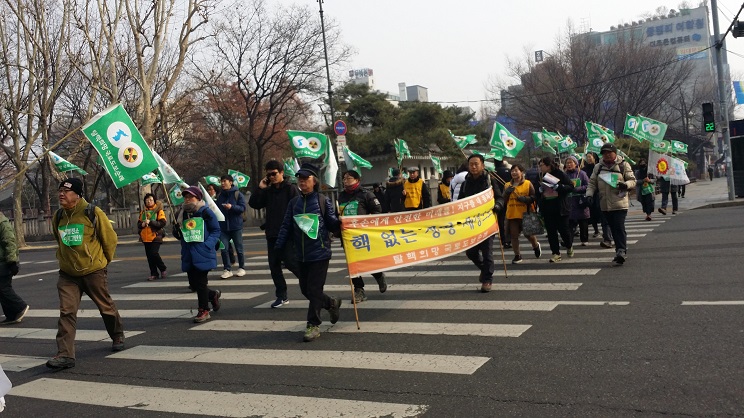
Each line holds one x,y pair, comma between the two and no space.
348,178
272,173
64,190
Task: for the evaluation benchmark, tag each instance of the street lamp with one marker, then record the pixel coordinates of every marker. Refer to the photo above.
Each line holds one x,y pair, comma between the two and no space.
330,85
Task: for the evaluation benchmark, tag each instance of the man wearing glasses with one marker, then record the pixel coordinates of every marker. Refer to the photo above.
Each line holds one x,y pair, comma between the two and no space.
273,194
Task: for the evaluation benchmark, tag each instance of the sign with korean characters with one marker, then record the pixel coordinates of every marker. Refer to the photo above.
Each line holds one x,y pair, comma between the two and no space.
375,243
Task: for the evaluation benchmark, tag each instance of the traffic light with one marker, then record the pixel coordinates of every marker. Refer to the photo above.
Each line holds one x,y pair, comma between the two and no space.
737,29
709,118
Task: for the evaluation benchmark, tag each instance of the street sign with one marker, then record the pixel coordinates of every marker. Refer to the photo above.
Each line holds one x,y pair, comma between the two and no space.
339,127
340,143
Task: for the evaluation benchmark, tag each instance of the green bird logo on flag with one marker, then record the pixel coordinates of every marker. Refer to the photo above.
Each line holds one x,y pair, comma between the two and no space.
176,195
661,146
213,180
463,141
679,147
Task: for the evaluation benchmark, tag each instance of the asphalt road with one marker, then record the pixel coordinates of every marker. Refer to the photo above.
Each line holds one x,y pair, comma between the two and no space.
626,341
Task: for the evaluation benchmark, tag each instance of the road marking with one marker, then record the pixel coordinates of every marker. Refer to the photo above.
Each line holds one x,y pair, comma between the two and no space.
419,328
460,305
131,313
20,276
422,363
205,402
180,296
713,302
497,273
217,273
12,363
51,334
392,286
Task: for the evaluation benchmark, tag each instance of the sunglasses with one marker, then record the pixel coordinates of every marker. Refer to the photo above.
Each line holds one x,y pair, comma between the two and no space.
272,173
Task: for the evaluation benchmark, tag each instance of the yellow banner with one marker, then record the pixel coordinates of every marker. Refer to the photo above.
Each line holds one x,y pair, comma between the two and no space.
375,243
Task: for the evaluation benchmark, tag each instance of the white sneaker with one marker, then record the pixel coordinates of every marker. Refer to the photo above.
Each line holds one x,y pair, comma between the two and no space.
226,274
240,273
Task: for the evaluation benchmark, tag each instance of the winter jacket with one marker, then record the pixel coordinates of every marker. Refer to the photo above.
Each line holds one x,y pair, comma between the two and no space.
367,203
95,253
473,186
640,174
154,231
443,194
233,216
308,249
8,245
456,183
581,181
201,255
274,199
610,199
557,204
393,195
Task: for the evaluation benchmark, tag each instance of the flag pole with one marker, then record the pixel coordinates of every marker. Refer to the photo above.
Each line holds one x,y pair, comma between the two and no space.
351,283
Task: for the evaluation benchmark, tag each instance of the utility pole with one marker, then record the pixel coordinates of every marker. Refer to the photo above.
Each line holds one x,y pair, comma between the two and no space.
723,98
330,86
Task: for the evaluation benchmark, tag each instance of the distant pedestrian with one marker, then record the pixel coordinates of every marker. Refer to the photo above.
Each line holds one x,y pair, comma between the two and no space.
519,195
213,193
711,170
443,193
379,192
151,226
309,220
273,193
614,197
415,192
355,200
580,213
14,308
86,243
199,233
555,207
645,185
666,187
232,205
393,201
458,180
476,181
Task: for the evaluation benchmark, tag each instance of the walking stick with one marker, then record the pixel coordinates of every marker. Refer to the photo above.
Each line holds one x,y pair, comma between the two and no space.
351,283
501,245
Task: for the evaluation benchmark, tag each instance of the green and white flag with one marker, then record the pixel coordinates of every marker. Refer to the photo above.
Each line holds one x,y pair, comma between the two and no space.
610,178
463,141
149,178
167,174
651,130
64,165
175,195
631,125
241,180
594,145
331,167
291,167
401,150
502,139
353,161
625,156
308,144
437,163
549,141
661,146
597,131
679,147
192,229
497,154
213,180
212,205
308,223
125,154
566,145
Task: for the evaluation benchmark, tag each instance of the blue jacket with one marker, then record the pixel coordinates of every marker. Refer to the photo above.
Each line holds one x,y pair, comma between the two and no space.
201,254
309,249
234,216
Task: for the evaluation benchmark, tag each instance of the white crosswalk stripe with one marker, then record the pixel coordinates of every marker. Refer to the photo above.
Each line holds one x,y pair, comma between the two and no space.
391,286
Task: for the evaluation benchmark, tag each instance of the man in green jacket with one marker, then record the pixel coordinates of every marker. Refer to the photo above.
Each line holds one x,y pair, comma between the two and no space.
13,306
84,251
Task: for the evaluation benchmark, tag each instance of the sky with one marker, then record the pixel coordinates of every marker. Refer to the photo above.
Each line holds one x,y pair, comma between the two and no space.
458,48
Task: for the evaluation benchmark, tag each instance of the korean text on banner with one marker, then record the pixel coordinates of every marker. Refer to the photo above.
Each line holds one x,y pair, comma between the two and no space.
125,155
375,243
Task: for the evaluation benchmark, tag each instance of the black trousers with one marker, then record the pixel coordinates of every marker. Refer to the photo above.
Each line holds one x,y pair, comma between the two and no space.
199,281
482,256
11,303
555,223
359,282
152,251
616,222
312,279
583,225
289,257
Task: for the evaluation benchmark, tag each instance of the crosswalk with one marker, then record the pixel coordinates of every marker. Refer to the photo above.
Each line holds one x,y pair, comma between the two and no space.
429,300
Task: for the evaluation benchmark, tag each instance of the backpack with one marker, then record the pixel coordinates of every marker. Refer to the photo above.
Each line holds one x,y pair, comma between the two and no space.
89,211
245,211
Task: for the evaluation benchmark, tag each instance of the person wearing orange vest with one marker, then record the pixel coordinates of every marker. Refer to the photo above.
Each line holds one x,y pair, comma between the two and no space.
415,192
519,194
443,194
151,226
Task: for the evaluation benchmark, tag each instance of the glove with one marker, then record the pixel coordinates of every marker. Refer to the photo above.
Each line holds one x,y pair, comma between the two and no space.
590,200
509,189
524,199
177,232
498,206
13,268
622,187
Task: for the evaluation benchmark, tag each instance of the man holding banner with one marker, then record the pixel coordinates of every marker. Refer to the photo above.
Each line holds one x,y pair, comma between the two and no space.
476,181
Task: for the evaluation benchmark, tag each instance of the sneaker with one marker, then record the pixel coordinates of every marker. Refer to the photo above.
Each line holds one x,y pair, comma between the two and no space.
334,311
517,259
152,278
118,344
662,211
311,333
60,363
18,318
605,244
570,252
618,260
648,217
486,287
226,274
202,316
240,272
595,235
538,250
359,295
584,244
381,283
674,212
279,302
507,245
555,258
216,301
164,274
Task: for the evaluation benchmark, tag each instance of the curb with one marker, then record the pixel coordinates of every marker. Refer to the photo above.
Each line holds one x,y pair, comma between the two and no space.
721,204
